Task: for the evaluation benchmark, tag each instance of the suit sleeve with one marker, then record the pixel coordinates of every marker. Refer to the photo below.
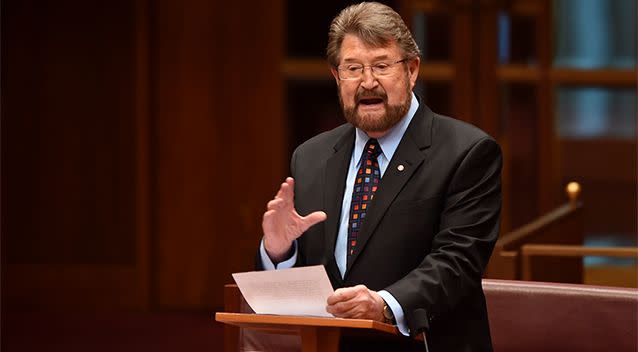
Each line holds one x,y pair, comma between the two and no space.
461,248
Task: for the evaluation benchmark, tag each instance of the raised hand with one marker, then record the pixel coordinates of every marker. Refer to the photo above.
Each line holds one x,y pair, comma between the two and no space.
356,302
282,224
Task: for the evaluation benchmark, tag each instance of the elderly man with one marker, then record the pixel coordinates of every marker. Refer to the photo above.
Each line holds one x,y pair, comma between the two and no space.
401,205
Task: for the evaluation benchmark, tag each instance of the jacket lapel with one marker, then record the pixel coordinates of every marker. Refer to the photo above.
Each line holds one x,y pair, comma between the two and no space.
409,155
336,172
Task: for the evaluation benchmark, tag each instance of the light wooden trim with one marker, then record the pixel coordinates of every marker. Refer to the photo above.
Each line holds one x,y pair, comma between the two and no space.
317,334
511,255
437,71
518,73
568,76
554,250
290,322
594,77
558,250
306,69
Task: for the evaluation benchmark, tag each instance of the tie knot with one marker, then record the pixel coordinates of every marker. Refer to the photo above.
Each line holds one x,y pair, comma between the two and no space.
373,148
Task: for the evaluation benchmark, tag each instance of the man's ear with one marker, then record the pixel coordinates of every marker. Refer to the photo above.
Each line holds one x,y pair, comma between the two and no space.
335,74
413,69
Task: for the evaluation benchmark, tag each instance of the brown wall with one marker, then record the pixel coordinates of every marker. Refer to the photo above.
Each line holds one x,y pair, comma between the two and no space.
140,142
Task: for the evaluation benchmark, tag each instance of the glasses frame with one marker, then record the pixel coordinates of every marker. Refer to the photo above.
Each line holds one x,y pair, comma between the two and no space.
363,68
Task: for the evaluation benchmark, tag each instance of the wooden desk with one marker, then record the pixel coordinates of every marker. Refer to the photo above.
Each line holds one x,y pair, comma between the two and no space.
317,334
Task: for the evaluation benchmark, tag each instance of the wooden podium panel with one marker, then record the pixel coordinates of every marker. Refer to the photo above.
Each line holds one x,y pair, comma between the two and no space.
317,334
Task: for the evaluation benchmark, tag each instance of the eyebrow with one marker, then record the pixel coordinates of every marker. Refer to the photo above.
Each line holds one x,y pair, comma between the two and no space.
376,58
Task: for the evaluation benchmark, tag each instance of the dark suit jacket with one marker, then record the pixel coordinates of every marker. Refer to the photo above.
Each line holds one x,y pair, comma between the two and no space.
429,232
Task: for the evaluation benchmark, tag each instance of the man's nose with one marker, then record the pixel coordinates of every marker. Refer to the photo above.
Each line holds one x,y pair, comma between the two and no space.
368,80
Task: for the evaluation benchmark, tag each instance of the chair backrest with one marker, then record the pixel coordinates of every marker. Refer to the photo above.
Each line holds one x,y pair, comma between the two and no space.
539,316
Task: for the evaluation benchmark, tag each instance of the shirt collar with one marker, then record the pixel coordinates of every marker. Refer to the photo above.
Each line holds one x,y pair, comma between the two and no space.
390,141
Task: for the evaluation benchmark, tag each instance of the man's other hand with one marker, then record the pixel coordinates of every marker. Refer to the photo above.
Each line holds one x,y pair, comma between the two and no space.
356,302
282,224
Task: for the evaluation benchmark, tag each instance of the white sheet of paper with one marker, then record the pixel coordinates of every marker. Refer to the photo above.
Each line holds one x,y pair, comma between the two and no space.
295,291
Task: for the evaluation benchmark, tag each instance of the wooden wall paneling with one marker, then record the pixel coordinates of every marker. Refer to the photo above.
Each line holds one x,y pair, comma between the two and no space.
521,114
489,96
257,131
219,148
487,62
69,138
609,187
143,151
186,149
508,110
464,47
73,288
407,9
548,149
581,154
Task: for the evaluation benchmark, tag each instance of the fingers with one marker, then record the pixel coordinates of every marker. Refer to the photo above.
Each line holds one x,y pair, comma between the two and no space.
268,214
275,204
349,309
355,302
312,219
286,190
344,294
282,220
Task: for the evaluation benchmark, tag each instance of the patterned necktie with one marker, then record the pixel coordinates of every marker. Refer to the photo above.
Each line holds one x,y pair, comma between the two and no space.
365,185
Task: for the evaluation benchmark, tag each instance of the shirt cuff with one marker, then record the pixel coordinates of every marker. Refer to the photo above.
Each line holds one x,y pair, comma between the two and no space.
269,265
397,311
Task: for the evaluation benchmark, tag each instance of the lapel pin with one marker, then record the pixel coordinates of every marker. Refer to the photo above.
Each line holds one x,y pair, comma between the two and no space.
400,167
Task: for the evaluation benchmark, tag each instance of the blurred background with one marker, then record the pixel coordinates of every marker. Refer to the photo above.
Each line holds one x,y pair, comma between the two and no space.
142,139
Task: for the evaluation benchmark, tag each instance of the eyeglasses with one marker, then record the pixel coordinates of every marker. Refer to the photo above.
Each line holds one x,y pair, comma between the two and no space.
351,72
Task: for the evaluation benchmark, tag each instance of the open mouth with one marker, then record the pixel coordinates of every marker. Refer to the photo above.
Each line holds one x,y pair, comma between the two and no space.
370,101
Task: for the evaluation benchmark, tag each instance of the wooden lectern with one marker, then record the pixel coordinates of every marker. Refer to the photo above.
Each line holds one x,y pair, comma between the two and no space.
317,334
